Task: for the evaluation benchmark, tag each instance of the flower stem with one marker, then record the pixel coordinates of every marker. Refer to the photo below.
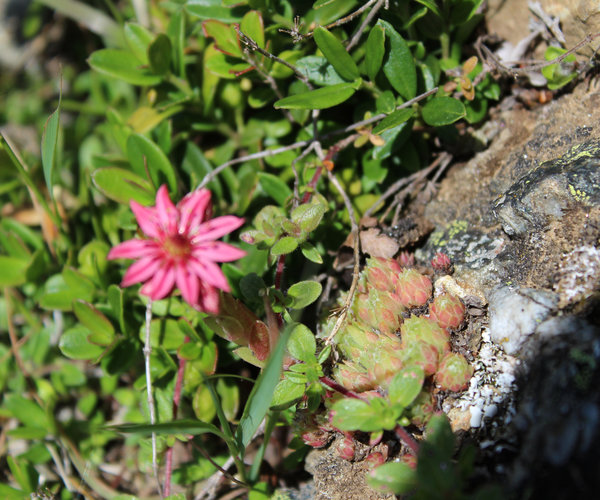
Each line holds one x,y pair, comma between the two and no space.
176,401
150,398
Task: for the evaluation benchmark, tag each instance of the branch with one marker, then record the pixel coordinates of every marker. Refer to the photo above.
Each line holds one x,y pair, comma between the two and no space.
356,37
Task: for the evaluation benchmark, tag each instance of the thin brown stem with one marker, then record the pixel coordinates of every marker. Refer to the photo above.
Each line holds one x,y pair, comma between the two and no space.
356,37
252,45
301,144
355,272
297,36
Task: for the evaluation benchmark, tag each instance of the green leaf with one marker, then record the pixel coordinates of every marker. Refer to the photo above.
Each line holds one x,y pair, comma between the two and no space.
74,344
274,187
102,330
406,385
308,215
49,143
311,253
212,9
399,65
61,290
225,36
304,293
284,245
138,39
350,414
123,65
262,393
323,98
432,7
253,27
24,473
12,270
336,54
144,154
10,493
318,71
375,51
123,186
26,411
286,394
393,477
159,54
184,426
203,404
393,120
164,333
442,111
302,345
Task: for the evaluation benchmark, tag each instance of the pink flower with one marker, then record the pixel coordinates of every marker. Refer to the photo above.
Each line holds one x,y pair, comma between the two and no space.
180,249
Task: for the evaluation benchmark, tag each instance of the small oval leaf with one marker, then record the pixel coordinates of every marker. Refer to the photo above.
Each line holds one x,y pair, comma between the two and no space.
304,293
375,51
123,65
123,186
336,54
323,98
443,111
399,65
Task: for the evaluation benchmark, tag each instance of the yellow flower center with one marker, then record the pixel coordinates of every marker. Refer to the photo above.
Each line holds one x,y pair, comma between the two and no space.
177,246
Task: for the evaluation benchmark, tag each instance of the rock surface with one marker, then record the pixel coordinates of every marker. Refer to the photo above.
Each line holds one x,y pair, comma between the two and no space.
527,239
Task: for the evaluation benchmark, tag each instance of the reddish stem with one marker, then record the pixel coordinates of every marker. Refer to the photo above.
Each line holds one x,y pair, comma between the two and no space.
407,438
337,387
312,184
176,401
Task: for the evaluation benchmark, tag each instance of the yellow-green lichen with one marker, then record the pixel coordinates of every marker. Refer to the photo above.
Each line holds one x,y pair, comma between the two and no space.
578,194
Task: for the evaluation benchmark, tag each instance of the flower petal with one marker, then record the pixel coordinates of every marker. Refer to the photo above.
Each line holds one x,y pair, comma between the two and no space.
147,219
188,284
217,251
133,249
209,299
217,227
161,284
208,271
167,213
193,210
141,270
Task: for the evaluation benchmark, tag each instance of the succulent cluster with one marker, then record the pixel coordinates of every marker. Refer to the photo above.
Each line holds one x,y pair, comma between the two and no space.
388,329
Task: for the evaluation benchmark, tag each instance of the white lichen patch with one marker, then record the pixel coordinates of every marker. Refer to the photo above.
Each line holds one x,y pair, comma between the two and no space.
578,275
491,387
